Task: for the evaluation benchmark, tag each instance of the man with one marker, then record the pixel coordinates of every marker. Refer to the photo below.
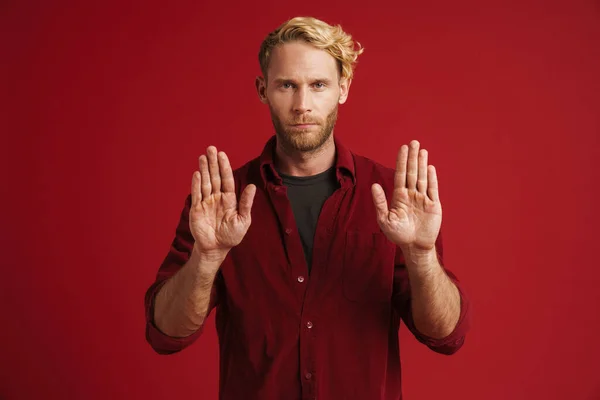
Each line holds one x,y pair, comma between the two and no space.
312,270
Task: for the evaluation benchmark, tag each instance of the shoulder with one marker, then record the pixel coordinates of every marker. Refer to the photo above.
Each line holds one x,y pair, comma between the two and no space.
369,171
246,174
242,171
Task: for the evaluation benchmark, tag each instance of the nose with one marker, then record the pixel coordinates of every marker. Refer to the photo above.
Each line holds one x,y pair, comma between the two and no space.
302,101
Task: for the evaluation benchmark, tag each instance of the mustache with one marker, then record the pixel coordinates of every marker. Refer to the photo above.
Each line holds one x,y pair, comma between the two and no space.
303,122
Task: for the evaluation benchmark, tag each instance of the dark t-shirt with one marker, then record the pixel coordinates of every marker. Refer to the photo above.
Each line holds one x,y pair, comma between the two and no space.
307,195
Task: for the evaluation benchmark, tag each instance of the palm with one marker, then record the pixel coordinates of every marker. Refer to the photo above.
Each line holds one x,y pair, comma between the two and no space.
415,213
217,224
413,219
216,220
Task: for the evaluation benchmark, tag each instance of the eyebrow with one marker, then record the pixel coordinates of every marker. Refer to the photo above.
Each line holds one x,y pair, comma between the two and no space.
284,79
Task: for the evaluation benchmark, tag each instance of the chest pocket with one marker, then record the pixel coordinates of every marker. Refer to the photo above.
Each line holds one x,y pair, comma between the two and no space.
368,267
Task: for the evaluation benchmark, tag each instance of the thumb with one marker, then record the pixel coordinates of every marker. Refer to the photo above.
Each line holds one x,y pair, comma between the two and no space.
380,201
246,200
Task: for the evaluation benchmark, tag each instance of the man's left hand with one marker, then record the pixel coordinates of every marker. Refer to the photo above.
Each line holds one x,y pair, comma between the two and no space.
414,217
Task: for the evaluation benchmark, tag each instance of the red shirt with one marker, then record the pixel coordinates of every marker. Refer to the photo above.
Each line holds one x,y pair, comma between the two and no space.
286,335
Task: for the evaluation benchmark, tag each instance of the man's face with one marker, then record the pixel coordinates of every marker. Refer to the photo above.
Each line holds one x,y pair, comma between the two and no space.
303,92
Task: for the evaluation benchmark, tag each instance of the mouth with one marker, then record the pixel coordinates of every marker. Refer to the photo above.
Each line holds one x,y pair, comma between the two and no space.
303,126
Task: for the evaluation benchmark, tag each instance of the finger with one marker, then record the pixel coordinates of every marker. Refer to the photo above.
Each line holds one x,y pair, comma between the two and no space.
412,168
422,176
196,194
213,168
246,200
205,186
400,175
380,201
227,182
432,190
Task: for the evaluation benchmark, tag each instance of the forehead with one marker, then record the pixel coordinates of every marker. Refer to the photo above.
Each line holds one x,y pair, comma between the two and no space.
300,60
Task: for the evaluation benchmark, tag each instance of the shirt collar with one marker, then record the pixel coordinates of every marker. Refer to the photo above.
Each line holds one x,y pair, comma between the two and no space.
344,164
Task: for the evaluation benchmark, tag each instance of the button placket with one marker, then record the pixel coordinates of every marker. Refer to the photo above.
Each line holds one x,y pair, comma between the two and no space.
295,253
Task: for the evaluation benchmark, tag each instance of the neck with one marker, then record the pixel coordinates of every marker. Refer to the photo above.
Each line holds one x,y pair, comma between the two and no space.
303,163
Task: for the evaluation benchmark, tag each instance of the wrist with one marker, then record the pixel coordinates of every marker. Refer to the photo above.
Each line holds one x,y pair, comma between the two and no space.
207,263
209,256
420,258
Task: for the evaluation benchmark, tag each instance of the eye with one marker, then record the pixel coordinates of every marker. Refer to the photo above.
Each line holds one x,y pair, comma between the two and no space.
286,85
319,85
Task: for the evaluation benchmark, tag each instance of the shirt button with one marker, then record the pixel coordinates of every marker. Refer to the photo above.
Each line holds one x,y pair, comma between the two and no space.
309,324
288,231
308,375
300,279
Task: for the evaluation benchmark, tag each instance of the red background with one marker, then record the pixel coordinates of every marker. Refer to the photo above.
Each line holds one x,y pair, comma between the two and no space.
107,107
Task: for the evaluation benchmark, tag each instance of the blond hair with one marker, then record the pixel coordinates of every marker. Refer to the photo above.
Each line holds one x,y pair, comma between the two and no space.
323,36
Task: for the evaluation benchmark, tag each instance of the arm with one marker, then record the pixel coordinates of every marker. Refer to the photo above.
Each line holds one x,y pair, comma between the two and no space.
182,264
420,312
189,284
435,299
183,302
426,295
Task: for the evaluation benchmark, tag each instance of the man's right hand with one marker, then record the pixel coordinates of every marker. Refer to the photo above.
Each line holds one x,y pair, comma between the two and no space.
216,222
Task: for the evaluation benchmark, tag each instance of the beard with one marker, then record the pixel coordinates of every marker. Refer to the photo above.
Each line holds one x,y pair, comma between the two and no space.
304,140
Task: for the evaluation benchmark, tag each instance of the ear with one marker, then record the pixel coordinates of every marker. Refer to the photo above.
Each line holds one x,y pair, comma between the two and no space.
344,89
261,89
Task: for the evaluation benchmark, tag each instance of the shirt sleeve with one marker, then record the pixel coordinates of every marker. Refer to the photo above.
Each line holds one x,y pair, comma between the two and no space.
402,302
178,254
